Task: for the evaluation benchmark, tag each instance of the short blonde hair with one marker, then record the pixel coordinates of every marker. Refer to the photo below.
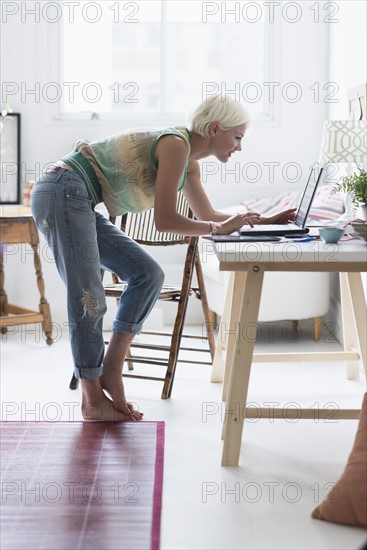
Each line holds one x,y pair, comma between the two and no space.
218,108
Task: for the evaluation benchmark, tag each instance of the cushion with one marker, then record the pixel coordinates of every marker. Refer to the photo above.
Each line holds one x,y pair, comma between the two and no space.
347,502
324,207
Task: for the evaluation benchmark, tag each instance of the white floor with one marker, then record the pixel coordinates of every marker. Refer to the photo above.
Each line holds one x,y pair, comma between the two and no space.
286,468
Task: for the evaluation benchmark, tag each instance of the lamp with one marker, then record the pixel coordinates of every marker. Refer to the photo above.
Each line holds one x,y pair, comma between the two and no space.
344,142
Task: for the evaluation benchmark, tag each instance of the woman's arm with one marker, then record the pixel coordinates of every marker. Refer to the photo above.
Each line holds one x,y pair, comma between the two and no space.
200,204
197,198
172,155
203,210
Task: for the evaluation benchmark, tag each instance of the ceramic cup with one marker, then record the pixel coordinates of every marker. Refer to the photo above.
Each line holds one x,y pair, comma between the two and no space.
331,234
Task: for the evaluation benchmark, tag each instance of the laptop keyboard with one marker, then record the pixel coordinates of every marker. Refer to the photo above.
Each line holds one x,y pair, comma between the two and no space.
271,227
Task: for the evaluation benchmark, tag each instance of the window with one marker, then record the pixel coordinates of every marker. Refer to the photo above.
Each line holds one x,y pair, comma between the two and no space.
162,57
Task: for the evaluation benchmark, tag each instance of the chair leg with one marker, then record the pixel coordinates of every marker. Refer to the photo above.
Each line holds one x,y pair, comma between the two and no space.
180,318
115,281
210,326
175,344
74,383
213,319
130,364
317,328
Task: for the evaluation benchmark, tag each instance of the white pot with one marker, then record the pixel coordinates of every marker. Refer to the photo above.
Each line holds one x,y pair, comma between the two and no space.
363,211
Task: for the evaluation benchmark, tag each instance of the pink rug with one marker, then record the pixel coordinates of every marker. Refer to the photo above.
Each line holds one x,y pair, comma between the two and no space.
81,485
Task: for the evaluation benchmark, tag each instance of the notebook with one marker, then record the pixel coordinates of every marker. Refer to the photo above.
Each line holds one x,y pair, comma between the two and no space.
299,225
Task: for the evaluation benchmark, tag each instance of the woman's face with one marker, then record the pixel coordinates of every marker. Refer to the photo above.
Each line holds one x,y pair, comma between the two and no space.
225,142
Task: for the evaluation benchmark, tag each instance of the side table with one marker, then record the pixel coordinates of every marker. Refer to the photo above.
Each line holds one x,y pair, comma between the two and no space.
18,227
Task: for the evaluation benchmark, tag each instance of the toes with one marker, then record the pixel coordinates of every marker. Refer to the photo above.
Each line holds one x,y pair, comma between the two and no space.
128,409
136,415
134,412
125,408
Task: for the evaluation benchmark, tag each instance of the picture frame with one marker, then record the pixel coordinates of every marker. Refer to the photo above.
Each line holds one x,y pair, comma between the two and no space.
10,164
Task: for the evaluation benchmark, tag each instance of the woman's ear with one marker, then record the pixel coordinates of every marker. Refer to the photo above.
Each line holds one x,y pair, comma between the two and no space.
213,127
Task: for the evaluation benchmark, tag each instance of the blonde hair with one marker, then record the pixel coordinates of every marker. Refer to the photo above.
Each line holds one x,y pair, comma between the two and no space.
218,108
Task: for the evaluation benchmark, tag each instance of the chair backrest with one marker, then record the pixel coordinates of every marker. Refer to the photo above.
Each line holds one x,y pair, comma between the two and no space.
142,229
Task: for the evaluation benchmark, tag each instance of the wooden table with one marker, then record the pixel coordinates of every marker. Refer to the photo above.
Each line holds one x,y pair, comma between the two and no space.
18,227
248,262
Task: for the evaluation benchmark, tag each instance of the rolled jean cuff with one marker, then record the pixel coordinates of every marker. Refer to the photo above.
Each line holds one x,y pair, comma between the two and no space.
88,374
125,327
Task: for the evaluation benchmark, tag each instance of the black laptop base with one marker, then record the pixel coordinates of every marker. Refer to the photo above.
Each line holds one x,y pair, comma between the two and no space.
276,232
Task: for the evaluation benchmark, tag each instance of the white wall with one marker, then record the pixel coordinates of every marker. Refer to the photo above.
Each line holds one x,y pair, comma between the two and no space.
293,138
348,68
348,50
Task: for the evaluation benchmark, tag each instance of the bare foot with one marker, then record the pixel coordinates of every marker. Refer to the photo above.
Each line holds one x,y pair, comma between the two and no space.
104,411
111,382
97,406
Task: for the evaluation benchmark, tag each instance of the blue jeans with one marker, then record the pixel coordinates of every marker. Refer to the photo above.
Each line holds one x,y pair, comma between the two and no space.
84,241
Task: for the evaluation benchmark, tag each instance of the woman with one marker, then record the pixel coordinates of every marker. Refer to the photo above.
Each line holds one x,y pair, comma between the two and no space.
131,171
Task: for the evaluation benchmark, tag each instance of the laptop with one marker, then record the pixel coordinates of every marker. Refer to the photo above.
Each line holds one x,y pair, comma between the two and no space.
299,225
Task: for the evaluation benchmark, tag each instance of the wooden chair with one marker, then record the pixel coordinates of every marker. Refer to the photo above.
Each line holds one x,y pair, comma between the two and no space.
142,229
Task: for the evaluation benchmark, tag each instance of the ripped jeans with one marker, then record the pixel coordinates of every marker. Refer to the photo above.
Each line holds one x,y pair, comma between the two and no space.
84,241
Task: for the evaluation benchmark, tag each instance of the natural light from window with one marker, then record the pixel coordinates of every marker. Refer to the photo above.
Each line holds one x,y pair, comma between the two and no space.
159,56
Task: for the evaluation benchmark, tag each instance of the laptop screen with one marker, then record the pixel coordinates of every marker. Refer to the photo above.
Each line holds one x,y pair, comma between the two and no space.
308,195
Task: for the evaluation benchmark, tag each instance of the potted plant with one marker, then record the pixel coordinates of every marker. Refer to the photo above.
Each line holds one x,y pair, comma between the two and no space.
355,186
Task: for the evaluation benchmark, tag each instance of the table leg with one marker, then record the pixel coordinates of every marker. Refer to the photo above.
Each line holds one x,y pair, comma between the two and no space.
3,296
359,314
242,359
231,335
210,325
350,334
43,305
229,329
218,362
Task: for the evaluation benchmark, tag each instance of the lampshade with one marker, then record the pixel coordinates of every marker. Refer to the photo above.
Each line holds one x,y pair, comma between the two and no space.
344,141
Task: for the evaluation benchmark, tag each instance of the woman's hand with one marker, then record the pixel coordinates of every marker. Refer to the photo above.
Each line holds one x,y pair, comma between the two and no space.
234,223
287,216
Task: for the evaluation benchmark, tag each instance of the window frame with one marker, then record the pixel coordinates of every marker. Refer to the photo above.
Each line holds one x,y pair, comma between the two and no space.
55,115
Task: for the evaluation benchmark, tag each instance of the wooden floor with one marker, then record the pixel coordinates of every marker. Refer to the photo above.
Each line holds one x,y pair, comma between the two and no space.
81,485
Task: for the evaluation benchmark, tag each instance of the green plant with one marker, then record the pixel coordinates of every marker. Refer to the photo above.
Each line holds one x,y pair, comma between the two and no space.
355,185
